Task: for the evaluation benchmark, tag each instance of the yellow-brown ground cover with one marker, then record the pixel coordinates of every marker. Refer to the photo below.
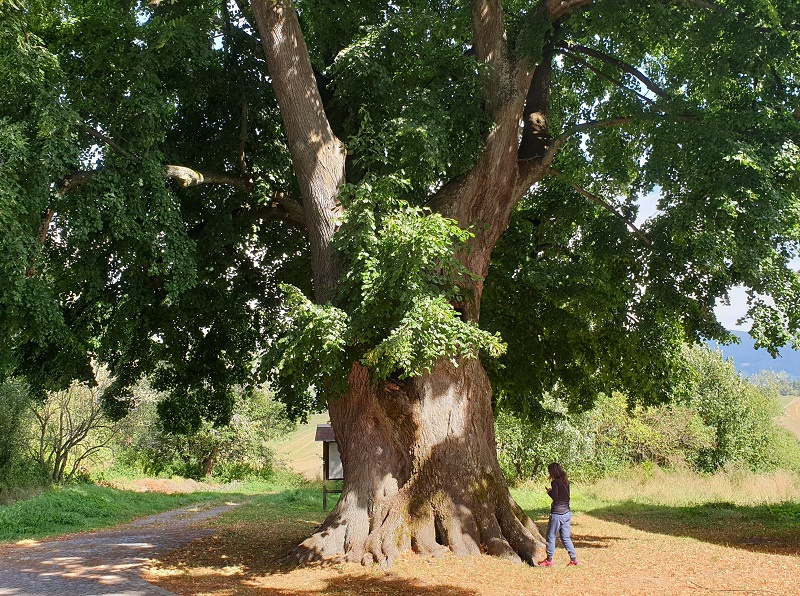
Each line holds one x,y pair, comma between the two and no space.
725,540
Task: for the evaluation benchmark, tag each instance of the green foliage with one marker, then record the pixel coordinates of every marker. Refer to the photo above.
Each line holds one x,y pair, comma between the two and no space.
526,448
394,305
136,270
407,96
741,414
235,450
666,435
181,284
403,276
566,292
717,421
310,359
14,402
608,438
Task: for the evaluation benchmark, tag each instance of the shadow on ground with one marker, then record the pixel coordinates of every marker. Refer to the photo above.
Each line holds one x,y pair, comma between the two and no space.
579,539
766,528
380,585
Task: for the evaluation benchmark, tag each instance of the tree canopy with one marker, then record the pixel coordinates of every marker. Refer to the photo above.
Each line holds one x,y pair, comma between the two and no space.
151,215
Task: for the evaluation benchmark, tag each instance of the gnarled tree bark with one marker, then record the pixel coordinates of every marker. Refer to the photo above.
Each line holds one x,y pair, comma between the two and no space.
421,473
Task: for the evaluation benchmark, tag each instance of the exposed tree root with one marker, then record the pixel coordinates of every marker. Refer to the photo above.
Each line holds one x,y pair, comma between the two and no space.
393,528
421,474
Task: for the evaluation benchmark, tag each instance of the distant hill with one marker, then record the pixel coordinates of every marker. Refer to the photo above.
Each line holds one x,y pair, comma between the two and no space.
750,361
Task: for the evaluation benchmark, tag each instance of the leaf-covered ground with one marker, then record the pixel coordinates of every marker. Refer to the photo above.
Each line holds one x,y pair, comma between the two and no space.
624,548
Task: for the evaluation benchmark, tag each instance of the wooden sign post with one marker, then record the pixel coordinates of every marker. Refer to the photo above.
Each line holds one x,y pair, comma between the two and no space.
332,469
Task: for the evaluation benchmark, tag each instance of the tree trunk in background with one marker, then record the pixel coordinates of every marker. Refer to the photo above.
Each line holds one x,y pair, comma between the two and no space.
421,472
210,461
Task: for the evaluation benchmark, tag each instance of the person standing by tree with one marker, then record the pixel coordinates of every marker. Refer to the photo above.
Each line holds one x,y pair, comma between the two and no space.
560,515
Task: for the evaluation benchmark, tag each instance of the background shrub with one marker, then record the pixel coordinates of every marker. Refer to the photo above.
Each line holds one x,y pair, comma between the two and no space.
717,420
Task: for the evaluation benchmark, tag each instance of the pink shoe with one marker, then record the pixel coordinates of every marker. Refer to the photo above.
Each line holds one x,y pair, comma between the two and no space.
546,563
572,562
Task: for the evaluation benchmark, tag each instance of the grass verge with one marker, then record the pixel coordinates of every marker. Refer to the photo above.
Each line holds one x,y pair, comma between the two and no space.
80,507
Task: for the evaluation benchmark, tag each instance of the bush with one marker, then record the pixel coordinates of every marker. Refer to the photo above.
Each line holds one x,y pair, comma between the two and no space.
525,448
741,414
235,451
719,421
13,407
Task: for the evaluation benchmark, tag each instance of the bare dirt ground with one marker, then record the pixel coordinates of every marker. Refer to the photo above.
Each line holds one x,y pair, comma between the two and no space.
791,417
618,555
163,485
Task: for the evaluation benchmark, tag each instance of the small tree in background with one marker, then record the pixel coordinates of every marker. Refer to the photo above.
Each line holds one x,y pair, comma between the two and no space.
231,451
70,428
741,414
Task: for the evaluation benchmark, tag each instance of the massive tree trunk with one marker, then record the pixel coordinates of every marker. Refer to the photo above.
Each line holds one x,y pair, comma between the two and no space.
420,461
421,472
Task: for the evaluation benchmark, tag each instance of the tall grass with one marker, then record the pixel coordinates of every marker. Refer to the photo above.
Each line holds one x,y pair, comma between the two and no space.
682,488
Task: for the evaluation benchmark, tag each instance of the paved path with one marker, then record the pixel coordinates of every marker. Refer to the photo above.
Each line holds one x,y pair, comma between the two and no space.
106,562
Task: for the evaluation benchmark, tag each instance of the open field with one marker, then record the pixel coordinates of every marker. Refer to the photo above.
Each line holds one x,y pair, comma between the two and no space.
300,452
791,417
638,543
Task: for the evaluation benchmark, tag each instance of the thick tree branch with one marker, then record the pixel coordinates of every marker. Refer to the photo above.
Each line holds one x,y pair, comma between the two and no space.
318,156
233,64
44,227
108,141
243,138
283,209
183,175
624,66
561,8
491,48
535,116
190,177
604,204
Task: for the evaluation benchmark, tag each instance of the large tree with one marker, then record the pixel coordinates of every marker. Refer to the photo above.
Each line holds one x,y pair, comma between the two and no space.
167,165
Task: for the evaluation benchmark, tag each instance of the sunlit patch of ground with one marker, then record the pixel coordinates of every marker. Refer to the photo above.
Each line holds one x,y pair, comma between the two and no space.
162,485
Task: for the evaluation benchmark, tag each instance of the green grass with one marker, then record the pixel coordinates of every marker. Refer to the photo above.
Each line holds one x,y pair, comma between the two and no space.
81,507
727,507
305,502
